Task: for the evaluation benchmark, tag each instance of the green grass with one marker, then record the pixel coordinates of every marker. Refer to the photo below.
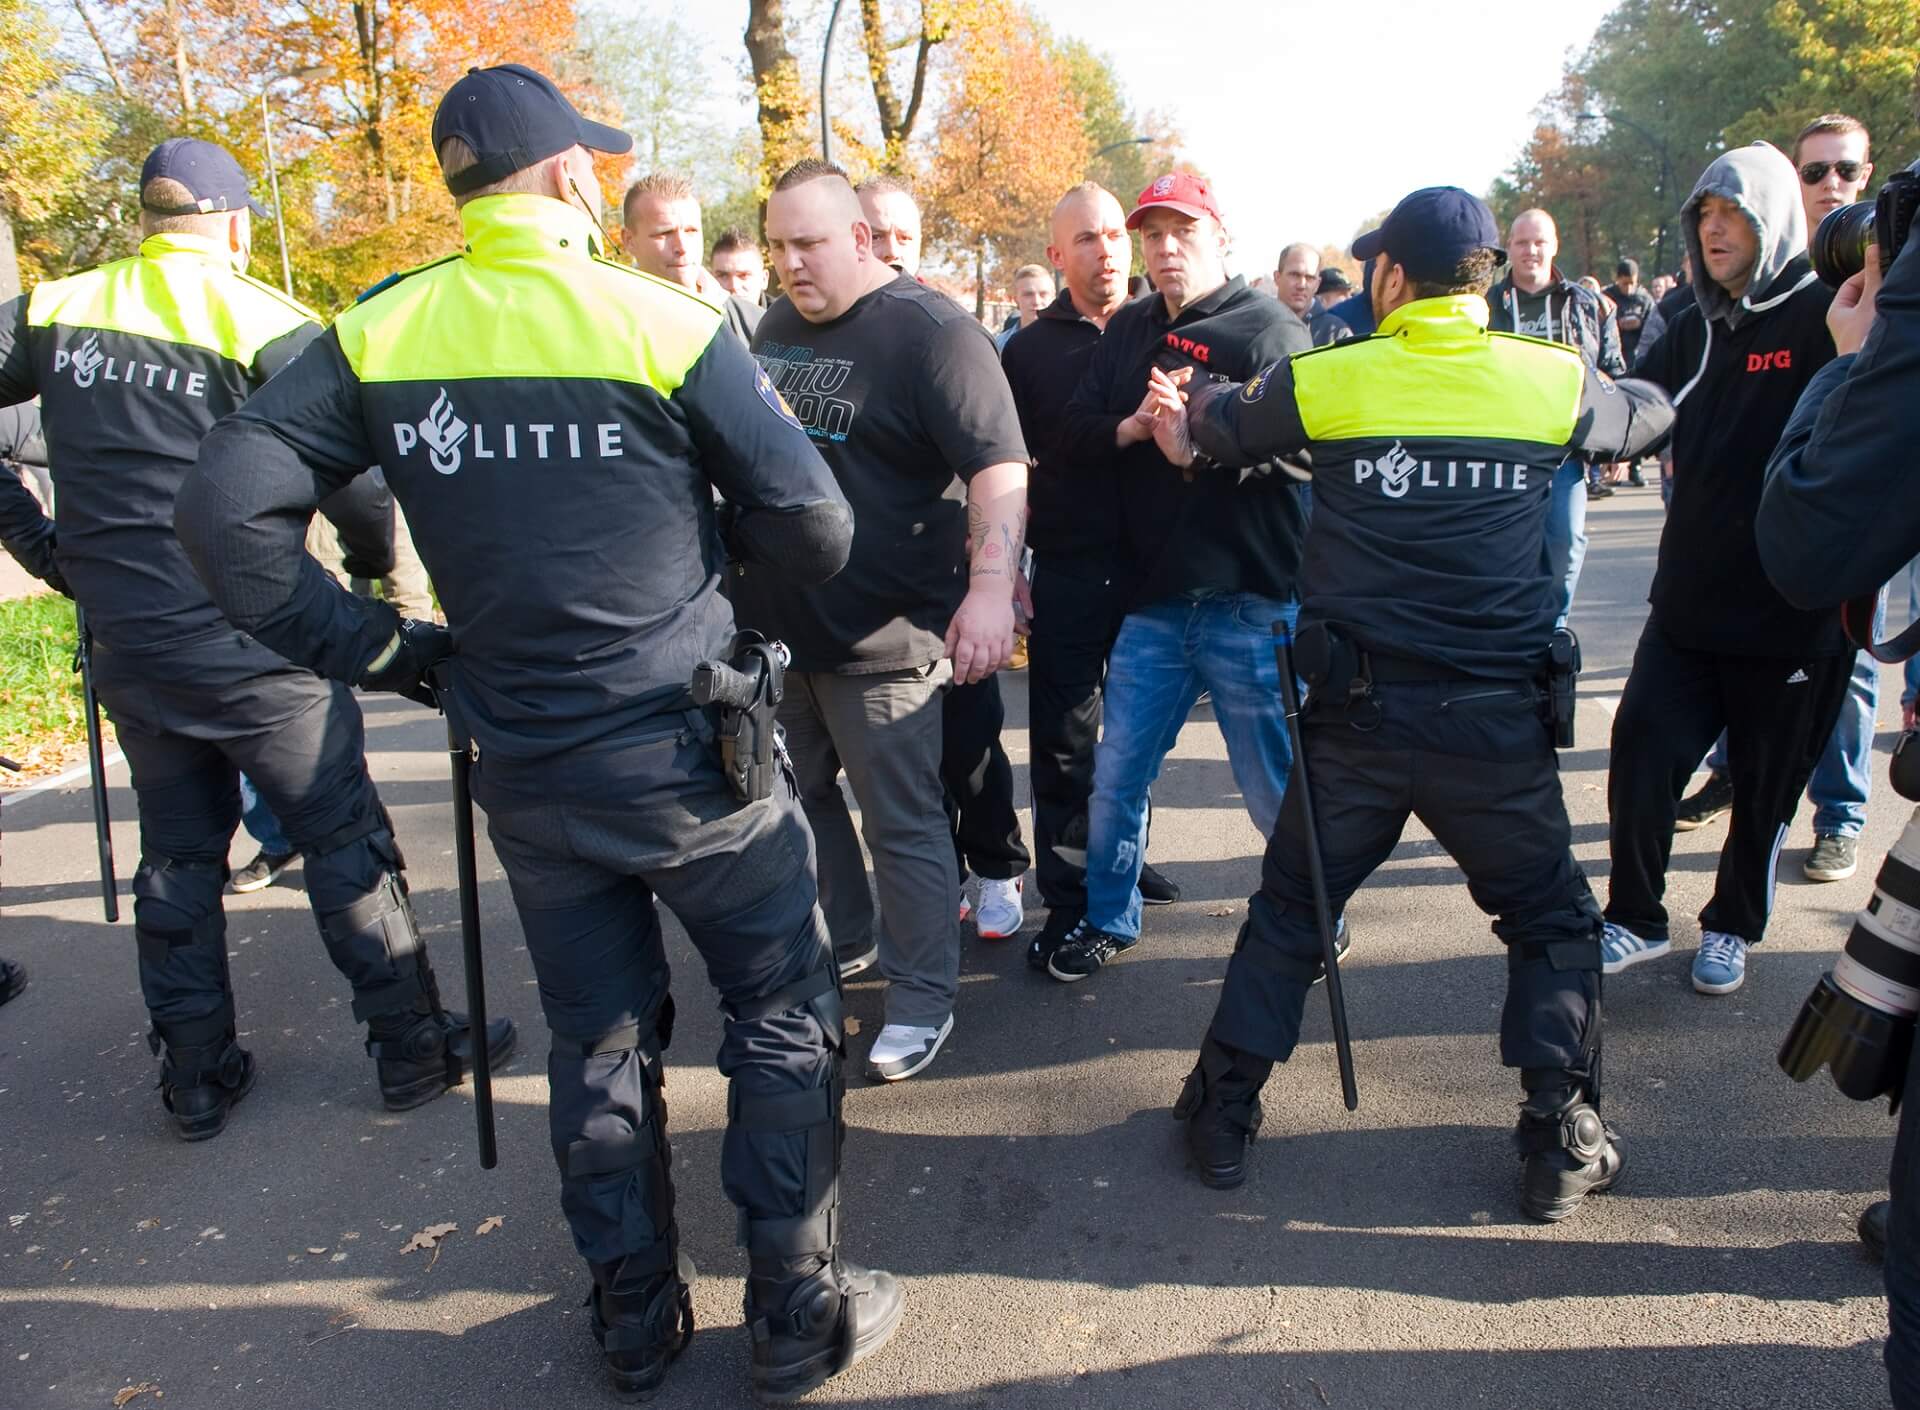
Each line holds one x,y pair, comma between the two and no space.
40,700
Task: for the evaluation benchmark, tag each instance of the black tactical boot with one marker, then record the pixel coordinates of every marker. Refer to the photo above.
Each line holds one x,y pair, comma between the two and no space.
204,1074
1569,1153
808,1328
1221,1106
13,978
423,1051
641,1326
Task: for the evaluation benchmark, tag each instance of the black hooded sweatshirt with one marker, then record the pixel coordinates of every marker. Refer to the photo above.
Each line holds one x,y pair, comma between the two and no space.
1735,370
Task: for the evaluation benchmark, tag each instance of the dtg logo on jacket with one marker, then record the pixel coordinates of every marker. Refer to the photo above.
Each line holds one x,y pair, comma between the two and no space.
1397,469
444,434
89,365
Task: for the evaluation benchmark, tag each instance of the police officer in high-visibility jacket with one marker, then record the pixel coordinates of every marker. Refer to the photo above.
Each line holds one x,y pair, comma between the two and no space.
1425,627
555,426
133,362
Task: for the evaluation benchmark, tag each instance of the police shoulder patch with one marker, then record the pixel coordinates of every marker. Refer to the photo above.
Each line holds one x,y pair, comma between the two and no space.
770,394
1256,385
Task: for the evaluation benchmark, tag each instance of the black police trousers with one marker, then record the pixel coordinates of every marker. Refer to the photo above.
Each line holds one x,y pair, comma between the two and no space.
1903,1251
190,720
1077,611
590,840
1474,762
978,778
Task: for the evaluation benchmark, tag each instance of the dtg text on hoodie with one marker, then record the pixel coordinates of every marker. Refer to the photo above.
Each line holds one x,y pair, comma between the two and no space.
1735,369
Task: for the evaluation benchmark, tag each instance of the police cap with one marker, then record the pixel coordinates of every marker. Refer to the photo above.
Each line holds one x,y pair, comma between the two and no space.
513,117
209,172
1431,231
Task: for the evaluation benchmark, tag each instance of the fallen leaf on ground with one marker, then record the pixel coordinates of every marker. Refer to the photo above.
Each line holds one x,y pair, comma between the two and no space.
852,1026
429,1237
126,1393
316,1250
1223,911
489,1224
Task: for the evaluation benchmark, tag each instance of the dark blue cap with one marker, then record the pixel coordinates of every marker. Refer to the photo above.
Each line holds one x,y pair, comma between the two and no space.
1431,231
209,173
513,117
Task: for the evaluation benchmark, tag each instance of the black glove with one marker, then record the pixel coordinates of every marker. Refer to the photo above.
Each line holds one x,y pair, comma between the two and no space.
420,646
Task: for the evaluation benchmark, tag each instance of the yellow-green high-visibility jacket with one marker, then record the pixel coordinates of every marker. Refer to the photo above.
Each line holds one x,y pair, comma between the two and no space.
1434,445
554,426
133,363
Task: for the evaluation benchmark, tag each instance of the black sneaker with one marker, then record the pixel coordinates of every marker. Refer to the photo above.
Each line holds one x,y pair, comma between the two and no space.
262,871
857,961
1085,950
1342,942
1061,923
1155,889
1834,858
1714,798
13,978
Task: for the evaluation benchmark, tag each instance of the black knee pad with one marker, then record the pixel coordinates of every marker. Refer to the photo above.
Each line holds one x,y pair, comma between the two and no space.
1550,981
177,904
375,942
609,1170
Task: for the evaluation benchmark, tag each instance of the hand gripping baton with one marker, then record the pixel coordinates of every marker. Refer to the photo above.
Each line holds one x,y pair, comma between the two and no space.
1316,868
460,755
96,765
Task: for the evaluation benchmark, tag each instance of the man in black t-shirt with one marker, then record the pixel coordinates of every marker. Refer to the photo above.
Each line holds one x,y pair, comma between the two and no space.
902,394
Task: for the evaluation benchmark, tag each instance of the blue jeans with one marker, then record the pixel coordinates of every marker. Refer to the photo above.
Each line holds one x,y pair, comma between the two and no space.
1165,656
1567,533
1842,781
260,821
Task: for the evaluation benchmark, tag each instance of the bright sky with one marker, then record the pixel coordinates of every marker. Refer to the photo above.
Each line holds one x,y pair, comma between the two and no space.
1303,143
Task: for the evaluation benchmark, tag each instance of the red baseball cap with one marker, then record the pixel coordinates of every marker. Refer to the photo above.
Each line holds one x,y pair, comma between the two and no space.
1177,190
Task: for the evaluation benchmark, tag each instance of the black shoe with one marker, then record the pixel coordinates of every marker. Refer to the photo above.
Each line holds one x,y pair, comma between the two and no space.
1085,950
13,978
1637,480
1155,889
1569,1153
1714,798
262,871
201,1086
1342,942
641,1330
1873,1228
1061,923
1221,1106
808,1330
419,1056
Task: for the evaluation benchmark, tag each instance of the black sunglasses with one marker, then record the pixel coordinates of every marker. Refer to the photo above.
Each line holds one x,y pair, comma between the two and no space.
1813,173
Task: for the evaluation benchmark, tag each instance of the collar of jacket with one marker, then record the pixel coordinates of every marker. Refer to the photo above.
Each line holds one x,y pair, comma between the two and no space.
188,246
517,226
1208,303
1452,318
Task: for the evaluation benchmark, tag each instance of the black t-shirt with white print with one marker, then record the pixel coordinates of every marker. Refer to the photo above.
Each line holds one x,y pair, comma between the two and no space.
903,396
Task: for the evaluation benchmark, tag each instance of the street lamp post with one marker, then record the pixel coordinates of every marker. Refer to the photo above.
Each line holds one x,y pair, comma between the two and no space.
1123,142
273,169
826,58
1659,147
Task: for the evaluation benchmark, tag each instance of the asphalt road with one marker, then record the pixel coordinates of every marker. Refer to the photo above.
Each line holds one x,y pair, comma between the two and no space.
1030,1187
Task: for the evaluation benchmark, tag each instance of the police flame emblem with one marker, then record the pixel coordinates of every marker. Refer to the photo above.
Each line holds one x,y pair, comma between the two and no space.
87,360
444,432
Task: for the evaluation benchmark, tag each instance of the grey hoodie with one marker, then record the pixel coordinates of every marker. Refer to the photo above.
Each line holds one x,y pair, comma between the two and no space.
1762,182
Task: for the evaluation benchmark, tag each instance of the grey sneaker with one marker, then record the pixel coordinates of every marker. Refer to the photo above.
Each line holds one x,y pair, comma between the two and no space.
1834,858
262,871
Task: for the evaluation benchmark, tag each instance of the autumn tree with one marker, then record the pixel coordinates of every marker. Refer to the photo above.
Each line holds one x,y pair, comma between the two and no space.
1009,140
933,22
49,130
780,96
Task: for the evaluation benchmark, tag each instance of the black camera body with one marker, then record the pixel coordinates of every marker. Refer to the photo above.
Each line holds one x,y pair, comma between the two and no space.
1839,245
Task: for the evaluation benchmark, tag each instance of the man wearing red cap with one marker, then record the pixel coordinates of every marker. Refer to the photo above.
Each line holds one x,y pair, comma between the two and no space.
1212,558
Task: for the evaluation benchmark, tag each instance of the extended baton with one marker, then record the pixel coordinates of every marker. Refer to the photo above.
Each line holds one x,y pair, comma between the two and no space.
460,755
96,765
1316,868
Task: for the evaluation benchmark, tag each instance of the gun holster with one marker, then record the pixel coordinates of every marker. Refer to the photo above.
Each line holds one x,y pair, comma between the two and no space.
1335,669
752,745
1563,685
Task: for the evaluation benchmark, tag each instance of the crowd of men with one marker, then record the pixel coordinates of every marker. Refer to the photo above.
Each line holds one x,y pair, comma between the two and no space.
1146,486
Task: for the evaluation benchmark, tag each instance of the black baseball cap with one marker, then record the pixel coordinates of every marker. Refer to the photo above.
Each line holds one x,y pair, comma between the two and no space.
513,117
209,173
1332,281
1432,230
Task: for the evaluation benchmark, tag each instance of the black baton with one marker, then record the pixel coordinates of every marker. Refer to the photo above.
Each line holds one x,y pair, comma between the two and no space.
460,755
1316,868
96,766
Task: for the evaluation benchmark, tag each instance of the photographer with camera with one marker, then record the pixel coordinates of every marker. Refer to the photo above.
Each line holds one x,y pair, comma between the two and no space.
1837,519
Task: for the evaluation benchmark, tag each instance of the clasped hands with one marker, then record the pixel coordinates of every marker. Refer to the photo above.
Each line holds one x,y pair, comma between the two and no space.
1162,417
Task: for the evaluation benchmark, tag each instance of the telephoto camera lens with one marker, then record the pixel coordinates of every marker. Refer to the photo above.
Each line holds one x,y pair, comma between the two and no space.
1858,1021
1839,244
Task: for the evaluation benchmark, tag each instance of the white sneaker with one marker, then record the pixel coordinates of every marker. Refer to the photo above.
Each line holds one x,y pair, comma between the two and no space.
902,1050
1001,913
1621,948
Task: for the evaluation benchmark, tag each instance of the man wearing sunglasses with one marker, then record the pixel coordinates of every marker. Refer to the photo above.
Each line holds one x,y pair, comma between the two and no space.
1831,154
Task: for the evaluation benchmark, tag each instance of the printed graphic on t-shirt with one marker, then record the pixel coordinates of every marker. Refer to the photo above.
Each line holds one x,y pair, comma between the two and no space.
808,383
1538,324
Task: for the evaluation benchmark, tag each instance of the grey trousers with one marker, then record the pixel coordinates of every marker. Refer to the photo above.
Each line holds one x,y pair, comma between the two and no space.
406,587
885,731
